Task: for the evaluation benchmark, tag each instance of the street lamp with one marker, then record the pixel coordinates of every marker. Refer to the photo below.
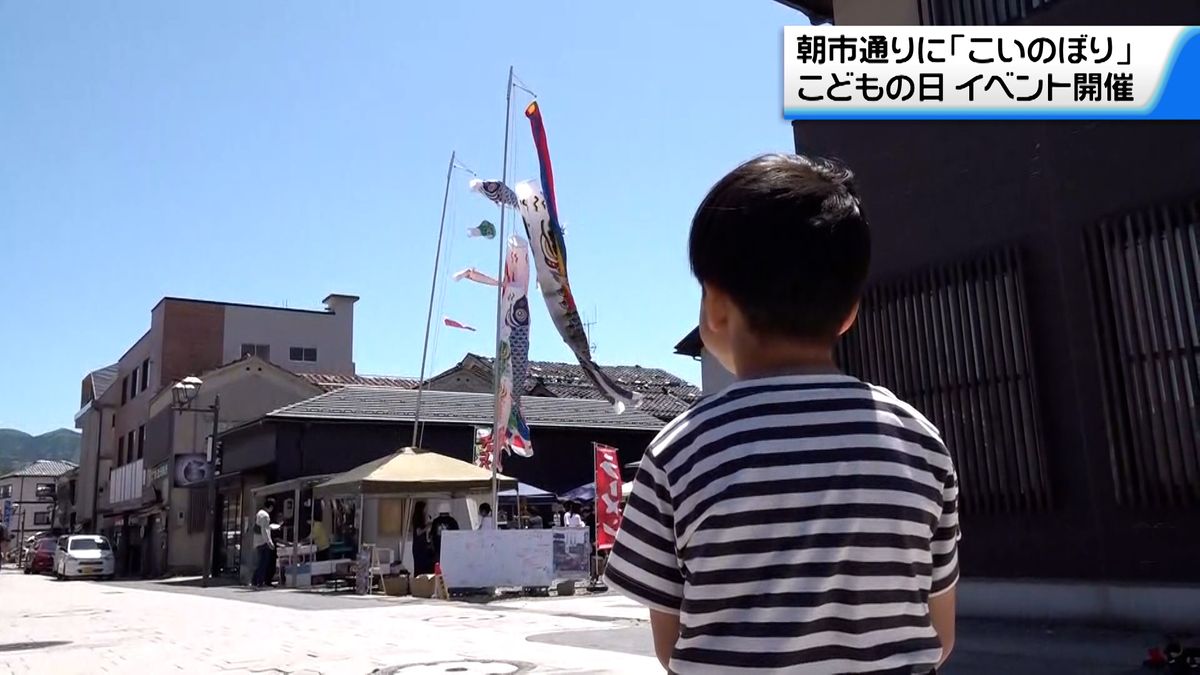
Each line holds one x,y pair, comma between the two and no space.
183,394
185,391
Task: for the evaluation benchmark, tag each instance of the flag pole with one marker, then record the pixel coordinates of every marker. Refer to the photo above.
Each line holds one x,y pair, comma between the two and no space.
499,427
437,258
595,515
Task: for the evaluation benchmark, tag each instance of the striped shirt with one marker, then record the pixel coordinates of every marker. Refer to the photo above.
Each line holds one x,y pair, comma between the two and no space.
795,524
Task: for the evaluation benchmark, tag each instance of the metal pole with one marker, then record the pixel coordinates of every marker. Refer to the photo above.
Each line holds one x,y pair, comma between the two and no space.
210,515
498,431
21,524
437,257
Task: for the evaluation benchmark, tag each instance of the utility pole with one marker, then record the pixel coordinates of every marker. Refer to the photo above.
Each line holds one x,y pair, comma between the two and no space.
210,517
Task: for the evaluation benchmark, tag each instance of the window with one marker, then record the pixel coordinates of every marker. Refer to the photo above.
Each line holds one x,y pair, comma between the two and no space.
141,441
133,384
129,446
145,374
113,423
5,491
124,389
303,354
90,544
42,518
1143,270
121,450
44,491
261,351
954,342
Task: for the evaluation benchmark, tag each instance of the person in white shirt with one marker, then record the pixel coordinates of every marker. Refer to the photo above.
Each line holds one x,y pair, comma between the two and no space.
485,517
264,545
573,517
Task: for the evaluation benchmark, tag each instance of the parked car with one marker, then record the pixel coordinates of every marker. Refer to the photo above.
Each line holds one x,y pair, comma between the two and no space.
84,555
39,559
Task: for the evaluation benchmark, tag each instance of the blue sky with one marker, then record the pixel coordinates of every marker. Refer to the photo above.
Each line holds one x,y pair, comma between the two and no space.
276,152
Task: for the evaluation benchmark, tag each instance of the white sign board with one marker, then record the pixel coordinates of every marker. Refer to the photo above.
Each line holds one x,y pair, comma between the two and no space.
515,558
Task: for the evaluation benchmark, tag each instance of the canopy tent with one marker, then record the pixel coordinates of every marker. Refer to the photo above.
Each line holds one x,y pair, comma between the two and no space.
527,492
411,472
583,493
587,493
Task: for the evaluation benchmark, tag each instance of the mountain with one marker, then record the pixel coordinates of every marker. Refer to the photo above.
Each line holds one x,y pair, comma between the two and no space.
18,448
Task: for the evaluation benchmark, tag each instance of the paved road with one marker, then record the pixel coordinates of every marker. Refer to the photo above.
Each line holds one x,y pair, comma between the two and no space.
64,628
165,627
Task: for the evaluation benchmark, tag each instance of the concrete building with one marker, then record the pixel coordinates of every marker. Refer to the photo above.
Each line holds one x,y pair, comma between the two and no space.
186,337
27,497
171,517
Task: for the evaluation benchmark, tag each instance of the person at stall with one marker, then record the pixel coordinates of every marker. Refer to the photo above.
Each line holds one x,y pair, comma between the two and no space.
319,538
559,518
276,541
443,522
532,519
589,520
263,545
422,548
573,518
485,516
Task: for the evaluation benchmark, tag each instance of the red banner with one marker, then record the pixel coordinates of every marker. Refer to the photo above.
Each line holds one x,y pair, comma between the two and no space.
608,495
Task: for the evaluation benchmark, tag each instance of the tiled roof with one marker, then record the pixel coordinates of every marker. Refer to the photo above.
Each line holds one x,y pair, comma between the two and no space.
334,380
102,379
392,404
665,405
42,467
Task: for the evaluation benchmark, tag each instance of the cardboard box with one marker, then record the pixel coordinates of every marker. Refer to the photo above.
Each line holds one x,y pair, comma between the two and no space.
396,585
422,586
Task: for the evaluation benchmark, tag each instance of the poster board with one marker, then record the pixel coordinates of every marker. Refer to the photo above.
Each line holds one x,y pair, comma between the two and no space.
514,558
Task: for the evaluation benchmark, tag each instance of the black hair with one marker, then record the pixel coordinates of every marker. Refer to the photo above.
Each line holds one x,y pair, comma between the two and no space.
485,509
418,515
786,237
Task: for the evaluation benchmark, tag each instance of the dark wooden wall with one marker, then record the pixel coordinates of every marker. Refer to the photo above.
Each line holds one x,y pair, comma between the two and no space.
562,457
938,193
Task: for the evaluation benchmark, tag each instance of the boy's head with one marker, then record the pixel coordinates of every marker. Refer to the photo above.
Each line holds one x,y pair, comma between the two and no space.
781,248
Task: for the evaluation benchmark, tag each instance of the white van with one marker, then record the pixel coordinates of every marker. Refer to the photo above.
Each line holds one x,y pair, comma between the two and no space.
84,555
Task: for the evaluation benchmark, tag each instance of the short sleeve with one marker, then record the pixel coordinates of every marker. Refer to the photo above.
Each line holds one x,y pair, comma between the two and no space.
644,564
945,539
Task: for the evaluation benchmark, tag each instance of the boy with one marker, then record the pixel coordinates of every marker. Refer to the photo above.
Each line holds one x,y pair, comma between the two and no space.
800,521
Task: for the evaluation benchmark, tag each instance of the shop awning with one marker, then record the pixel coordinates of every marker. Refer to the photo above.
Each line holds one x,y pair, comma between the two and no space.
411,471
290,485
529,492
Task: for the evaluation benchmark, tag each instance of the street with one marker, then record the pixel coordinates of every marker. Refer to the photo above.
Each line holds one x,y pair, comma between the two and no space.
175,626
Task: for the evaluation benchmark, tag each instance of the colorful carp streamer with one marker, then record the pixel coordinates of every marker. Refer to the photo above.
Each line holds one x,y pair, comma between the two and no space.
540,212
496,191
486,230
514,344
475,275
457,324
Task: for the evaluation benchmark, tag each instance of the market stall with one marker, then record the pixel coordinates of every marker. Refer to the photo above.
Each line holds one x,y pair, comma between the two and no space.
387,489
296,512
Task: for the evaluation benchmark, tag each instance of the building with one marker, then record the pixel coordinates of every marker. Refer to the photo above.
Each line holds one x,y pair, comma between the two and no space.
186,337
354,424
27,497
1034,291
66,490
665,396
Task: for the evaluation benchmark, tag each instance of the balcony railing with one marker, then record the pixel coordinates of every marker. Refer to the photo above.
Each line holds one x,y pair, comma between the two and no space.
976,12
125,482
